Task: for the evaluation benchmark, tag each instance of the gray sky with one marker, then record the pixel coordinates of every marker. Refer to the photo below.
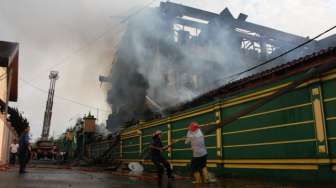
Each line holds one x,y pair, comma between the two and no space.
77,38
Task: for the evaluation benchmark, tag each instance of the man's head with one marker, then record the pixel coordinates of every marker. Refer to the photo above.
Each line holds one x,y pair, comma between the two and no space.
14,141
27,129
193,126
157,134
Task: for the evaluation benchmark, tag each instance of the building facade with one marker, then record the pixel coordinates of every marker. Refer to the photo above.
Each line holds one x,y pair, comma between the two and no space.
9,55
278,122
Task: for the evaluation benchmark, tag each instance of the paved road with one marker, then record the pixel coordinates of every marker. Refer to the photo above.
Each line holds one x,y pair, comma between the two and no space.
64,178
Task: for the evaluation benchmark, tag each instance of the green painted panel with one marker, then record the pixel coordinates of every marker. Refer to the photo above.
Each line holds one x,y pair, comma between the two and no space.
276,118
290,99
201,119
330,108
331,128
130,144
328,89
146,139
187,154
228,111
181,145
295,97
278,151
179,134
131,141
210,141
332,148
266,86
297,132
183,134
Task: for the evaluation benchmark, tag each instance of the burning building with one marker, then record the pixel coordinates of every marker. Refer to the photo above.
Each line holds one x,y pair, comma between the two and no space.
173,53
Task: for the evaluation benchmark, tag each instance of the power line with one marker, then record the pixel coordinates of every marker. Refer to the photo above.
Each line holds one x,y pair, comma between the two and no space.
63,98
100,36
136,12
274,58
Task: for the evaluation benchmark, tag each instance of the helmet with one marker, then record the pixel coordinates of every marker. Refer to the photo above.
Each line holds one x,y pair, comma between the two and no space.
193,126
156,133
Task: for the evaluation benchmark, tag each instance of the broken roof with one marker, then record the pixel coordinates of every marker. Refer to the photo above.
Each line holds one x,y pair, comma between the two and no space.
259,79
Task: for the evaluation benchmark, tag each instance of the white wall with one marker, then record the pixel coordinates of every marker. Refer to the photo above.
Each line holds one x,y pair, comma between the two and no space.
7,134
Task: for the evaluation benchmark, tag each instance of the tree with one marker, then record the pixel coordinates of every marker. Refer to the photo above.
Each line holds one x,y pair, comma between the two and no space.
17,120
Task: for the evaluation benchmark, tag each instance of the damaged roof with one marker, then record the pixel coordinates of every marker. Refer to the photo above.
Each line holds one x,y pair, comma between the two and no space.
259,79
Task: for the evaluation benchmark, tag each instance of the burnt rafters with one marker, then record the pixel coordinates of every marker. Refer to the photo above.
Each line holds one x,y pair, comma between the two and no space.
174,9
270,35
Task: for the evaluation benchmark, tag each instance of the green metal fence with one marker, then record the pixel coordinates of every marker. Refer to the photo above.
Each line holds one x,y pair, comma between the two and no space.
295,131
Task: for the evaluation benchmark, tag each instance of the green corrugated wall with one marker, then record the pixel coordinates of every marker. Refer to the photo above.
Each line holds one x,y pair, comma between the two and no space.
284,134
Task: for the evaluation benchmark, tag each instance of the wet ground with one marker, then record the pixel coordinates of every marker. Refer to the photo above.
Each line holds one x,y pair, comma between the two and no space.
61,178
45,177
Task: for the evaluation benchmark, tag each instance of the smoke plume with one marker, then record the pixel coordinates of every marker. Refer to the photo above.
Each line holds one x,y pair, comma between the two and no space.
156,68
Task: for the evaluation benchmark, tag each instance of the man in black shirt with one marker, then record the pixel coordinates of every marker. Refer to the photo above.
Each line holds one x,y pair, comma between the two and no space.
24,149
157,157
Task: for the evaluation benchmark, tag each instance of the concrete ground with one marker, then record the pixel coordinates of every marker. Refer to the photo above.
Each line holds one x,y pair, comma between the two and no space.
61,178
51,177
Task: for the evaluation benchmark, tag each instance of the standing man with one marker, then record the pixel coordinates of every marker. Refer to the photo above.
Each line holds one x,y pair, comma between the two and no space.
13,152
200,154
24,149
157,158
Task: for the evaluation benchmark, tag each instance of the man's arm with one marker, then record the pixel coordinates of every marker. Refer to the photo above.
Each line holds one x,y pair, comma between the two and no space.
27,141
155,147
187,140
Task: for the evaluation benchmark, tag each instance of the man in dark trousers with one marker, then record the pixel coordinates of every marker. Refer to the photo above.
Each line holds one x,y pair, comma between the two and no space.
24,149
157,157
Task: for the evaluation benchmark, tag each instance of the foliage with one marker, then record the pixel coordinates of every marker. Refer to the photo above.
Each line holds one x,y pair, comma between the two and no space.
17,120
